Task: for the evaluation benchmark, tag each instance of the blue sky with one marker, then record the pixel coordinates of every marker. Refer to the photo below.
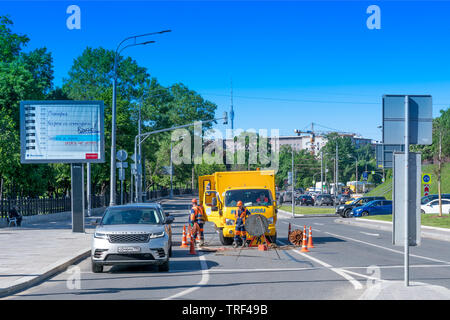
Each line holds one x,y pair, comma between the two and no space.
292,63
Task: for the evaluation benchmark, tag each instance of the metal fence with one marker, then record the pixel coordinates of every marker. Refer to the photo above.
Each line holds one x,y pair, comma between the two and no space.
36,206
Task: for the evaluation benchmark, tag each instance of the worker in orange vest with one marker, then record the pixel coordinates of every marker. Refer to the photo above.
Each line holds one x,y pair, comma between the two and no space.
197,221
239,230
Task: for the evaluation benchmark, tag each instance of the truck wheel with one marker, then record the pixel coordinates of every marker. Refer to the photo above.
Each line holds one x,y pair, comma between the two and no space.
227,241
272,239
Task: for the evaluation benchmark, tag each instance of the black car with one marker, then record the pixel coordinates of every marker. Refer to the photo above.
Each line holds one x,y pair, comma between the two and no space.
324,199
304,199
345,210
342,198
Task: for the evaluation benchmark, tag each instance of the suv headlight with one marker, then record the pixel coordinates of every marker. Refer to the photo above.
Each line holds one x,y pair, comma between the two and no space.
157,235
229,222
100,235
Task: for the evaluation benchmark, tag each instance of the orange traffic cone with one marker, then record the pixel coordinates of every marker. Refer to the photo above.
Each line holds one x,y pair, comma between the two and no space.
192,247
310,241
304,247
184,239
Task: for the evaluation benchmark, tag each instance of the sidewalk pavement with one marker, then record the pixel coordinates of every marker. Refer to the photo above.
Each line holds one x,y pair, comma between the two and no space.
35,252
442,234
41,248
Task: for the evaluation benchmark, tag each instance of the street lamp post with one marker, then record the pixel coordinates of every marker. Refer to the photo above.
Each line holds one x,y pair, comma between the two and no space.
112,201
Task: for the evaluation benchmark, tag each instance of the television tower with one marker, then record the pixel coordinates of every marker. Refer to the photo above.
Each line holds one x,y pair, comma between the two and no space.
232,111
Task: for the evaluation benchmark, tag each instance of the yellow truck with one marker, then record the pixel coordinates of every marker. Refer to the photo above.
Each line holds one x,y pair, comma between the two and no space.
220,192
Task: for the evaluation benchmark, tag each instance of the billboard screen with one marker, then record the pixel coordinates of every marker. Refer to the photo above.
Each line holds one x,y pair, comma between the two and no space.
62,131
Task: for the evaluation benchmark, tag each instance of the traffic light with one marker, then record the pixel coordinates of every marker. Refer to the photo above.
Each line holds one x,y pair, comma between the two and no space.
225,118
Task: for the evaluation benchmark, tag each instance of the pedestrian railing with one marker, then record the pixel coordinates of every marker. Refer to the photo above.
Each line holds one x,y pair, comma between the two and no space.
42,206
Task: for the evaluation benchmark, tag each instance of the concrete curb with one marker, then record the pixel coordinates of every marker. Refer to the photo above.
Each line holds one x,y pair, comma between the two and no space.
30,281
430,232
289,215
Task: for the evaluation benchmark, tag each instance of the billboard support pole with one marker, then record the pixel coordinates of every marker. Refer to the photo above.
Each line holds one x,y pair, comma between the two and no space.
77,199
89,190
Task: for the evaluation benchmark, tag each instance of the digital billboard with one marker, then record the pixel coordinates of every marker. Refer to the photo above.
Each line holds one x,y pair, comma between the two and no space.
62,131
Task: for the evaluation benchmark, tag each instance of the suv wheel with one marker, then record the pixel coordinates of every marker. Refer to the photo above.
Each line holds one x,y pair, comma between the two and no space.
96,268
164,267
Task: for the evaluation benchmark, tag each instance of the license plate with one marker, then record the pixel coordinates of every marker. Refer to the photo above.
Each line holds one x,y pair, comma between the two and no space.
128,249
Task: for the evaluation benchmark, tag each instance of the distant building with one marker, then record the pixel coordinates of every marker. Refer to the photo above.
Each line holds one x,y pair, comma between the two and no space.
304,142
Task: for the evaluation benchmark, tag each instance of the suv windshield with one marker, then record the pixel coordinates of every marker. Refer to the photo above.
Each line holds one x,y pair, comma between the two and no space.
131,216
249,197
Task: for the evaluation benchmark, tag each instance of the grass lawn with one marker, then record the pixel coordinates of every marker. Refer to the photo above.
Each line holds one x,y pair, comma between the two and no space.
309,210
431,220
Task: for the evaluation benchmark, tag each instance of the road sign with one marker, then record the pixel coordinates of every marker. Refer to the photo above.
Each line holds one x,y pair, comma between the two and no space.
426,189
420,119
121,155
398,205
384,154
426,178
365,175
122,165
133,157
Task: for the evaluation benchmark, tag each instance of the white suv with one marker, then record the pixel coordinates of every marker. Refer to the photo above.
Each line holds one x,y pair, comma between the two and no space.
134,234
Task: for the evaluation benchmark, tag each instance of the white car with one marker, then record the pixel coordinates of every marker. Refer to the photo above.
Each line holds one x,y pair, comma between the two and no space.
134,234
433,206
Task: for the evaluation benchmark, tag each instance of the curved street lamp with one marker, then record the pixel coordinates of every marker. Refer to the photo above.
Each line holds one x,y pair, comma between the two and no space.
112,201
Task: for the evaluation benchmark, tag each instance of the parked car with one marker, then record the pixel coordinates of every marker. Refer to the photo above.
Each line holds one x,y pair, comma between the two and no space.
304,199
433,206
343,198
324,199
344,210
371,208
133,234
428,198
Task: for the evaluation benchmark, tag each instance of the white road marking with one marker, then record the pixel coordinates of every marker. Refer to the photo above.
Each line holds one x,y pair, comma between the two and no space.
204,280
319,224
388,249
339,271
370,234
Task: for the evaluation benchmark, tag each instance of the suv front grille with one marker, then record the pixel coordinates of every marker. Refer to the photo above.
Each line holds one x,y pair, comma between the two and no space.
129,238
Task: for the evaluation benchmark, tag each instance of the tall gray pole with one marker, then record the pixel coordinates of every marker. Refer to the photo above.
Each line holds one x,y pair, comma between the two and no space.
337,167
139,163
131,185
406,266
321,171
293,201
88,189
171,172
112,188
